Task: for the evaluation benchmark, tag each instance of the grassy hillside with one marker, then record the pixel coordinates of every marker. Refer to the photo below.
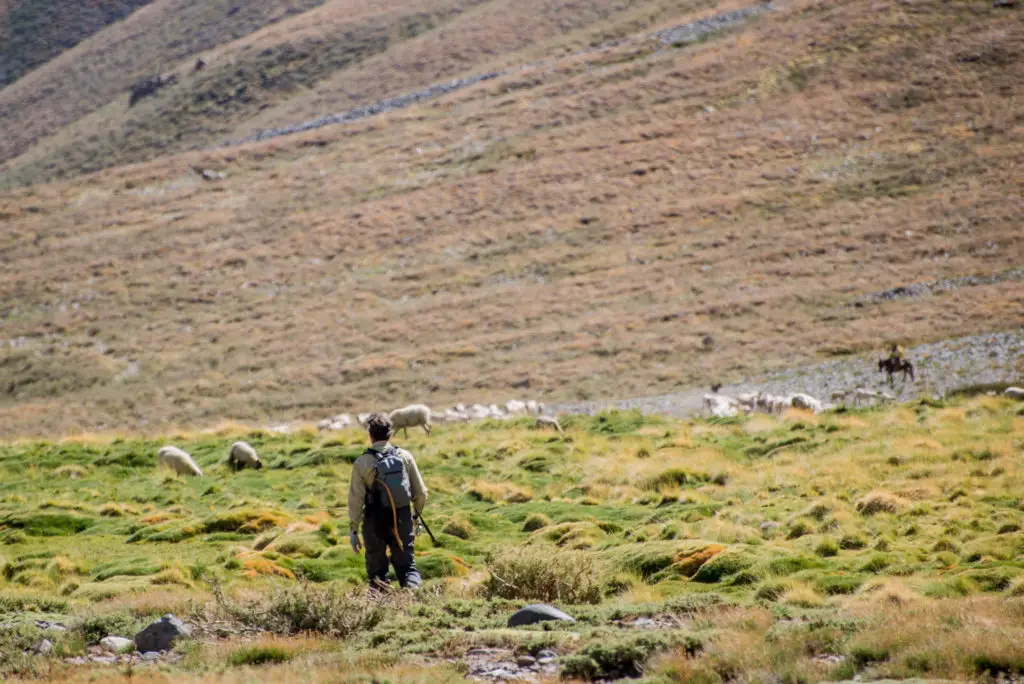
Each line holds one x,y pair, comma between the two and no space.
629,222
873,543
33,32
100,69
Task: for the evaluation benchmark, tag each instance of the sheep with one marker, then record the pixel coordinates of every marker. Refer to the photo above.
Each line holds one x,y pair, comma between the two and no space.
455,416
807,402
534,408
515,407
362,418
1014,393
549,422
411,416
719,406
243,456
178,461
479,412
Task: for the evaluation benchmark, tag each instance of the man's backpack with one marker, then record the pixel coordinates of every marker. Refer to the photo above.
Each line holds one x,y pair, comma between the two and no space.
391,486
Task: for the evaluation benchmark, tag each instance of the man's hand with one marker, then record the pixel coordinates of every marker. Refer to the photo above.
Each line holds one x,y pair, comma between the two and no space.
354,540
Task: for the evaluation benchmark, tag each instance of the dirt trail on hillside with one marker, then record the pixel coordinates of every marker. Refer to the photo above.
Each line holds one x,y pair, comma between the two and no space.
941,367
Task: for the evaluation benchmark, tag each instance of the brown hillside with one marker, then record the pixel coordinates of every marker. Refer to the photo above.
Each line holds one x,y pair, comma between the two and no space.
33,32
342,54
101,68
622,223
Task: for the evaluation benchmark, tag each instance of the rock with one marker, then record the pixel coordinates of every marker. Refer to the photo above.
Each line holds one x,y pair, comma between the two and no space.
537,613
150,656
43,647
160,635
525,661
546,653
769,526
1004,3
115,644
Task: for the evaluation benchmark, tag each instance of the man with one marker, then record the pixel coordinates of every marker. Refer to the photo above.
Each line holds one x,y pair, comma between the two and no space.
896,353
386,487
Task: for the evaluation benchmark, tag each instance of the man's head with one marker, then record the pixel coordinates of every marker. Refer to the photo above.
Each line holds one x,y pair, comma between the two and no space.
379,426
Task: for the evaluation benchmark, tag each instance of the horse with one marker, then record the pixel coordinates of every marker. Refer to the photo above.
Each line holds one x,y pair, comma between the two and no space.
893,365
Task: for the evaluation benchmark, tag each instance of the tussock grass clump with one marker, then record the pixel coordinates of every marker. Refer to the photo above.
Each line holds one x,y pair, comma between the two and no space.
71,471
879,502
535,522
827,548
309,608
459,527
674,477
260,655
618,660
545,574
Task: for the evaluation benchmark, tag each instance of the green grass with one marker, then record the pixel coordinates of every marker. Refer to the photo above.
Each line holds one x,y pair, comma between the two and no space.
608,532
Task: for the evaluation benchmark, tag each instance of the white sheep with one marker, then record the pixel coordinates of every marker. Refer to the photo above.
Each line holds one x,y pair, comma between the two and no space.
720,406
178,461
455,416
244,456
807,402
414,415
515,407
479,412
550,422
534,408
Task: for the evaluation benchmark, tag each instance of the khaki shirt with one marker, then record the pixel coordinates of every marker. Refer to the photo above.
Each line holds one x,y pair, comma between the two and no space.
362,482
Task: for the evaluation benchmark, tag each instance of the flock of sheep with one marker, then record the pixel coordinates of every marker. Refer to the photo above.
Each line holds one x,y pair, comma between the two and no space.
242,455
421,415
722,406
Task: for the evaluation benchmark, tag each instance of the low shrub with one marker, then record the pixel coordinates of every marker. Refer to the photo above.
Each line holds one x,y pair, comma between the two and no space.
621,659
879,502
259,655
544,574
827,548
459,527
536,522
310,608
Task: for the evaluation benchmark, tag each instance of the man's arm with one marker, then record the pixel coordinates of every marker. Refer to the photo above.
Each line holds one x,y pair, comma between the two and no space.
419,490
356,495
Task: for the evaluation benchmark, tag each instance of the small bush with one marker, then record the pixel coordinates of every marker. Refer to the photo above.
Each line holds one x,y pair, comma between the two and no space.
674,477
459,527
259,655
879,502
852,542
536,522
310,608
618,660
544,574
92,628
799,528
827,548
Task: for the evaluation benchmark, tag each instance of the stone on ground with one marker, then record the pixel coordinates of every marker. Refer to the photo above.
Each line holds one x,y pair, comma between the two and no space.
537,613
115,644
161,635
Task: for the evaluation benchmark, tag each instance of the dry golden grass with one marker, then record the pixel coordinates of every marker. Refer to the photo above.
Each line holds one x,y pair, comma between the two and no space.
582,228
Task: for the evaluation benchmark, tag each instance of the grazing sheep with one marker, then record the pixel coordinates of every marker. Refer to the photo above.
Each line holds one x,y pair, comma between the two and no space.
244,456
415,415
534,408
1014,393
720,406
807,402
362,418
178,461
549,422
515,407
479,412
456,416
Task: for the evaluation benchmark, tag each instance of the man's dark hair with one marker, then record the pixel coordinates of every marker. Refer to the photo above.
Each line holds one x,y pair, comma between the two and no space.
379,426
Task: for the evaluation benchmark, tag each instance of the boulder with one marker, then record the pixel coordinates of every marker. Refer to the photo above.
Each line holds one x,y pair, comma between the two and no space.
537,613
43,647
115,644
161,635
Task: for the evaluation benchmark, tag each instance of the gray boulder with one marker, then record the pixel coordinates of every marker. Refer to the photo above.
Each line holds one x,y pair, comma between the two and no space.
43,647
115,644
162,634
537,613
